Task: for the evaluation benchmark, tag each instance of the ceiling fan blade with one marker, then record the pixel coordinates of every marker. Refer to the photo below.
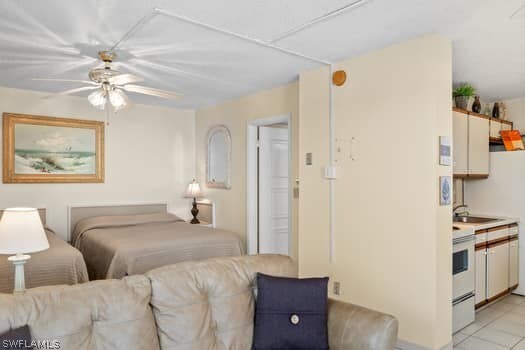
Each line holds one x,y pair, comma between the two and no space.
72,91
152,92
125,78
67,80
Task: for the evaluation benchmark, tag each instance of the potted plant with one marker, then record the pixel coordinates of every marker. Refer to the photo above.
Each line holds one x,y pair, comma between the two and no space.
462,95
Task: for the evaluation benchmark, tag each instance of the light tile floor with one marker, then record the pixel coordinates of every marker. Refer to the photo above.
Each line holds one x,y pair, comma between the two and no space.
498,327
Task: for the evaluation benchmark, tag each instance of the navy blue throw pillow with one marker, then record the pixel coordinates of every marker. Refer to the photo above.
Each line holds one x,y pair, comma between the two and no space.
19,338
291,313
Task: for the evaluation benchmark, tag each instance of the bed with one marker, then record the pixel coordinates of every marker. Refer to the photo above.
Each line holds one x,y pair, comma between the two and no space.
117,241
60,264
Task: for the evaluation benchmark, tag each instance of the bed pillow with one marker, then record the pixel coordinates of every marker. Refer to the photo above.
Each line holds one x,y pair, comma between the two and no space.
291,313
17,339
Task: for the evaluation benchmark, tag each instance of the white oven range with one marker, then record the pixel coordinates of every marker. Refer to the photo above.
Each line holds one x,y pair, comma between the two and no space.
463,278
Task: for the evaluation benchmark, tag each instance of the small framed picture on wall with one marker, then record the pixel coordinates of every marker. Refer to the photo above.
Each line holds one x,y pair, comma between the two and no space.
39,149
445,190
445,156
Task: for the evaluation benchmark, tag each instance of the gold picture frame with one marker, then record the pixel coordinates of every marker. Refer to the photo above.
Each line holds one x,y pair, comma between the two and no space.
39,149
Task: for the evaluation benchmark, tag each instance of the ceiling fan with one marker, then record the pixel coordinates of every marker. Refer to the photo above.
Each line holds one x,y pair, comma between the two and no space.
110,85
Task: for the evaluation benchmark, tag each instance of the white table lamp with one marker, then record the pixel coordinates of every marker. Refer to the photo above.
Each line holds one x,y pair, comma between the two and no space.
21,231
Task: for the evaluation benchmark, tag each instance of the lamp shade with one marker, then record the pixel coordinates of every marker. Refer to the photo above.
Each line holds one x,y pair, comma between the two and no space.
194,190
118,99
21,231
98,98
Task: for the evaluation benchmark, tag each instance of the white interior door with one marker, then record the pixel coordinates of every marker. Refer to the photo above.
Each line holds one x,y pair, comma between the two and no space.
274,179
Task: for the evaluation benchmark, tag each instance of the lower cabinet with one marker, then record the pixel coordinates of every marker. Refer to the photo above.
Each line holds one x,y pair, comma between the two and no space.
481,275
497,269
513,263
497,263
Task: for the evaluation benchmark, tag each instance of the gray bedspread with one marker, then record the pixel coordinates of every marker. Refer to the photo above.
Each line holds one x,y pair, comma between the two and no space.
116,246
60,264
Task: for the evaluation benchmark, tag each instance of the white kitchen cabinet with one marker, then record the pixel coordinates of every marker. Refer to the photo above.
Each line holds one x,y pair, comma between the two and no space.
505,125
513,263
481,275
460,139
471,144
497,233
497,269
497,125
495,128
478,146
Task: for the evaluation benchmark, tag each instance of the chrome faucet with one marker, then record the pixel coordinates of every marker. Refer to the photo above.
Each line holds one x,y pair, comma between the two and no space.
464,213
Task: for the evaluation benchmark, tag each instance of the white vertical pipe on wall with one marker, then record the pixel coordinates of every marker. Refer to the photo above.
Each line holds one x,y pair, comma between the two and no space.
331,141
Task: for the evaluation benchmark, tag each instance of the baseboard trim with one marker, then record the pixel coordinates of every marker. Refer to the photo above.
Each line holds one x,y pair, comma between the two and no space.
449,346
405,345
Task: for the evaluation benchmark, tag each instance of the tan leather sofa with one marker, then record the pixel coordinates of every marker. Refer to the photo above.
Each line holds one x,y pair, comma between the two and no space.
205,305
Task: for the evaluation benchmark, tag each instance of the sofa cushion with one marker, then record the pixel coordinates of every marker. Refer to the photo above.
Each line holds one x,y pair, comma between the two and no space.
111,314
19,338
291,313
210,304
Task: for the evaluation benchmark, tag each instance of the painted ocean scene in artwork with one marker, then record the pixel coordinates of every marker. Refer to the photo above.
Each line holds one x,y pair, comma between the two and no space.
41,149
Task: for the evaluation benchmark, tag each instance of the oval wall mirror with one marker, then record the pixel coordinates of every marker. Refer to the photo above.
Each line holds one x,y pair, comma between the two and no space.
218,167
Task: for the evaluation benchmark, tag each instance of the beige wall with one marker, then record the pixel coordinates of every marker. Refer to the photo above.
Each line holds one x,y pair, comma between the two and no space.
149,157
392,239
231,204
516,112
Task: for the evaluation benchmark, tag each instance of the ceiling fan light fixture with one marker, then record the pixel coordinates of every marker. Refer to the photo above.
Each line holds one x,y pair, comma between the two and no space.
98,99
118,99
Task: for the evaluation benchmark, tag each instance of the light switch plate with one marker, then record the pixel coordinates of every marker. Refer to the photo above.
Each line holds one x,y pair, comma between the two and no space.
330,172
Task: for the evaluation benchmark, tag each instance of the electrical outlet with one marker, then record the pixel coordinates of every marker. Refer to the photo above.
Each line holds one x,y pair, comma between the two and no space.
337,288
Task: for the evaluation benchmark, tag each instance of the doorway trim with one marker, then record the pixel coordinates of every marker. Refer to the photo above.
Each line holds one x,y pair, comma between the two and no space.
251,179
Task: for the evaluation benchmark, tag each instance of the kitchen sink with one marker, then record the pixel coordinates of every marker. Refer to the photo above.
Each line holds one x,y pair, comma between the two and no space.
473,219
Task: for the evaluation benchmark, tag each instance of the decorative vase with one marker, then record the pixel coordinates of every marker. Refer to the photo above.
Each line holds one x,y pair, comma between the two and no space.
502,111
462,101
495,110
476,106
487,109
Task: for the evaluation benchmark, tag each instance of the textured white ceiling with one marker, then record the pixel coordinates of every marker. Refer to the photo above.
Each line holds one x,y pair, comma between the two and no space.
60,39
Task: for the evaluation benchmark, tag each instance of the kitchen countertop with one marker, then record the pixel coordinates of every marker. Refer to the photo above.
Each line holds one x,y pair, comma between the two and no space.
462,232
482,226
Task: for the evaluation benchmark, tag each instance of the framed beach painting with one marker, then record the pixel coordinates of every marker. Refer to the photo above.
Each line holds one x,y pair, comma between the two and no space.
52,150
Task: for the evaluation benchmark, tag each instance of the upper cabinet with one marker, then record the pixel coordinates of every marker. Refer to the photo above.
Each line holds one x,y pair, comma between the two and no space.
471,144
506,125
495,128
478,146
460,146
472,135
497,125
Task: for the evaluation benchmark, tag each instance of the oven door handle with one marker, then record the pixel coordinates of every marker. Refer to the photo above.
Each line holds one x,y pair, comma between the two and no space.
463,298
464,239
